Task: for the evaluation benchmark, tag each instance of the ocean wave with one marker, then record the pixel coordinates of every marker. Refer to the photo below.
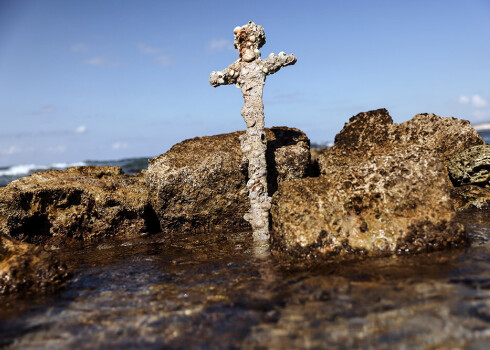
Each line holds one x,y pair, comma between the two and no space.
26,169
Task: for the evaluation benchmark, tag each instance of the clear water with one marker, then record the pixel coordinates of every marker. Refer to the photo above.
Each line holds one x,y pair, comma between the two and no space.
216,291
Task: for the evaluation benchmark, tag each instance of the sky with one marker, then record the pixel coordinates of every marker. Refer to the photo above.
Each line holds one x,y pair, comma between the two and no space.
107,79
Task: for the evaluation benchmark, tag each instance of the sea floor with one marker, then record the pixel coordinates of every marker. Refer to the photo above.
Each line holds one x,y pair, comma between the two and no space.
216,291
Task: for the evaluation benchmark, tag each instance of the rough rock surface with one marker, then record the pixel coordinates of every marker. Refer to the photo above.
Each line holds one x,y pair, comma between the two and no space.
24,267
393,203
79,203
199,184
471,167
384,190
471,197
374,132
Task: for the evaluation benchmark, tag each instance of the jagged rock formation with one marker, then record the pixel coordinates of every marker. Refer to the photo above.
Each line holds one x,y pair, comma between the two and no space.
471,167
384,189
24,267
199,184
249,73
80,203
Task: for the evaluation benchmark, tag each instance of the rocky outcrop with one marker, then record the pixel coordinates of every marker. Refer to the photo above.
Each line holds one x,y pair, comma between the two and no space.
24,267
200,183
471,167
80,203
471,197
383,190
374,132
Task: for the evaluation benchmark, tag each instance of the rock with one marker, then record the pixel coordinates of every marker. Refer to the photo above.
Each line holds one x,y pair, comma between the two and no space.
80,203
383,189
374,132
471,197
200,183
471,167
24,267
394,203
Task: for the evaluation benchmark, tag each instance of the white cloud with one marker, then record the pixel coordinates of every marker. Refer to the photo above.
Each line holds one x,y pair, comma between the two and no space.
475,100
148,50
163,60
478,101
81,129
101,61
219,45
79,47
119,145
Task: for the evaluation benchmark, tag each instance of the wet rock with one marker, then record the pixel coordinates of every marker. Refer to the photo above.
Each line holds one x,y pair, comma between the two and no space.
24,267
471,167
80,203
200,183
394,203
471,197
383,189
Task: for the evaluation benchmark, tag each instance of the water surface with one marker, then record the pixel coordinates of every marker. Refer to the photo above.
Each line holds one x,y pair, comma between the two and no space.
216,291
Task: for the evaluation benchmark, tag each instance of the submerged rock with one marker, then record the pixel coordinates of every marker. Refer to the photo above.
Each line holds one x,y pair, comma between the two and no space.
24,267
200,183
383,189
80,203
471,167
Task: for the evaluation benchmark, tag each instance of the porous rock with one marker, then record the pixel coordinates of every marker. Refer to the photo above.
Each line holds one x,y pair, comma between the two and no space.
471,167
383,189
200,183
374,132
394,203
468,197
80,203
25,267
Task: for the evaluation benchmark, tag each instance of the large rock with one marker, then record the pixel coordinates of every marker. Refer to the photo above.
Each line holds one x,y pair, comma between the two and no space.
200,184
384,189
24,267
79,203
471,167
374,132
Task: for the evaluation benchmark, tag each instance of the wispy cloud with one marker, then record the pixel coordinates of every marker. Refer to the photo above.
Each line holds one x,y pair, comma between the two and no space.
46,109
119,145
475,101
57,149
81,129
163,60
149,50
102,61
79,47
11,150
216,45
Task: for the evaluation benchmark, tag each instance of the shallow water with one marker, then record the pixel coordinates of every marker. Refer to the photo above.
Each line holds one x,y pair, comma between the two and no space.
216,291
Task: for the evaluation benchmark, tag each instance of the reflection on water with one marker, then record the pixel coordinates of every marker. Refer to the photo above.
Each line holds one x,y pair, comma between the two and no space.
214,291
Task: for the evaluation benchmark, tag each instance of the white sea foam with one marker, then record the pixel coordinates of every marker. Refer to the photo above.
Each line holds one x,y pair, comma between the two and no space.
25,169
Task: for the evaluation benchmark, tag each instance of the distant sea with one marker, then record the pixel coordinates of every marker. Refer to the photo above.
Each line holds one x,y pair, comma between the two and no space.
129,165
11,173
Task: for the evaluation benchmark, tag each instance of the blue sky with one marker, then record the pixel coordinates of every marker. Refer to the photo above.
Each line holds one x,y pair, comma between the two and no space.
112,79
